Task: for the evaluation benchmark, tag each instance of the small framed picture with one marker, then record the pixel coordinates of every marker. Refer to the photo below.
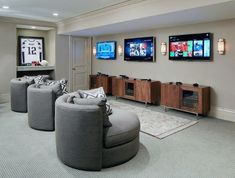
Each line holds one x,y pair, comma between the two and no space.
31,49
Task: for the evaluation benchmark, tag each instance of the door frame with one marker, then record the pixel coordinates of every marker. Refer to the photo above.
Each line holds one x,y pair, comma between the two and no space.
88,41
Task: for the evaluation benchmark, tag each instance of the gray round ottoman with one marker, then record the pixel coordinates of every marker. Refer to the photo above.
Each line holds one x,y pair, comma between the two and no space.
41,108
19,95
84,143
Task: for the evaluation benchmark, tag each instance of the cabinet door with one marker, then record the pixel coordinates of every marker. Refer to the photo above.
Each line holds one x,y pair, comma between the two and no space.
164,94
143,91
172,96
103,82
117,87
93,81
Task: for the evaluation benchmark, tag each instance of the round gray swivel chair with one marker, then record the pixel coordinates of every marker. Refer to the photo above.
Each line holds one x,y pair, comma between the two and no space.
82,141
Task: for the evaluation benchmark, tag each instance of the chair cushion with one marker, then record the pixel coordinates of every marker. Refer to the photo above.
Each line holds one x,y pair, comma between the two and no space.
125,127
56,88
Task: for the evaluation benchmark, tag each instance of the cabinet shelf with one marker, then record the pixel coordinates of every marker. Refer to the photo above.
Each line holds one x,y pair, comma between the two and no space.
186,98
34,68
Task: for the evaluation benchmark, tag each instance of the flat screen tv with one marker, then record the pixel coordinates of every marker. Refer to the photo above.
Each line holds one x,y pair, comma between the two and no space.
106,50
139,49
191,47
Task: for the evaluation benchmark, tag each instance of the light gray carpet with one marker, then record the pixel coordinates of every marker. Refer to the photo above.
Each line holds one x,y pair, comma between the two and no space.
155,123
206,150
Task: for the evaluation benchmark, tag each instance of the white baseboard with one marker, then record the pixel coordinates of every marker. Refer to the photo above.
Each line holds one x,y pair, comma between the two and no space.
4,98
223,113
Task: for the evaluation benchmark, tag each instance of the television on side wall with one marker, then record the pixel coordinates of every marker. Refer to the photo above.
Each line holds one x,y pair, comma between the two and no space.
106,50
139,49
191,47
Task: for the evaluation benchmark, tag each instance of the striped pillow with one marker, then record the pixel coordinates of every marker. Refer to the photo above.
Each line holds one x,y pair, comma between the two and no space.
62,82
96,93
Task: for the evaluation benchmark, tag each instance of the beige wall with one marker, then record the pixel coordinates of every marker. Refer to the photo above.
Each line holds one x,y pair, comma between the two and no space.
7,55
62,57
219,73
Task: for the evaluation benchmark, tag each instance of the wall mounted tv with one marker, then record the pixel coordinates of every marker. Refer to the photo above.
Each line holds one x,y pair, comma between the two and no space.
191,47
139,49
106,50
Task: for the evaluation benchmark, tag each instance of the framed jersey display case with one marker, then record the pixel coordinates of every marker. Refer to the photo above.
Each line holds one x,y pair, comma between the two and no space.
31,49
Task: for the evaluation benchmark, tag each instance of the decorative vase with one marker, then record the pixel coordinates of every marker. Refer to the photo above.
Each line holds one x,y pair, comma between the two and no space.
44,63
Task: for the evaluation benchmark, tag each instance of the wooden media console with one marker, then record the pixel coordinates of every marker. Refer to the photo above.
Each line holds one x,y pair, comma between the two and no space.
147,91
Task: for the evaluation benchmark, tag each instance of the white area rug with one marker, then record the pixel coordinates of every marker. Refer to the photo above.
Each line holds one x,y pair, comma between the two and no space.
155,123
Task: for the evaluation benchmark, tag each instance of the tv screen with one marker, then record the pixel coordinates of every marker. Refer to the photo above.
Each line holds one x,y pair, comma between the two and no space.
191,47
106,50
139,49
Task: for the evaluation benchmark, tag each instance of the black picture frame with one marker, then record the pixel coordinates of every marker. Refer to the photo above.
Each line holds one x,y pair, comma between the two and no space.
22,58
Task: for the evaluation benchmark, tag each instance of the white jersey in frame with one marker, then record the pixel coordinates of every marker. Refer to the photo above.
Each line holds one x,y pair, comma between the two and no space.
31,49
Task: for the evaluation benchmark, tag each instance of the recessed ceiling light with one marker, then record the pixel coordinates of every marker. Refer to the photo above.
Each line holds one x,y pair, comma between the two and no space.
5,7
55,14
33,27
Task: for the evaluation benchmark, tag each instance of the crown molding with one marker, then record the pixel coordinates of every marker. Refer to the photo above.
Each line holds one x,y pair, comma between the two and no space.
98,11
20,21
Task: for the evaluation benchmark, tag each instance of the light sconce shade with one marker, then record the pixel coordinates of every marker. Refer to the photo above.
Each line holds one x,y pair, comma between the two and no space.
94,51
120,50
221,46
163,48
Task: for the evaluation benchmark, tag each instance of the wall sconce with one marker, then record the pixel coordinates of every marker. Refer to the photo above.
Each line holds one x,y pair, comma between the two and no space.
221,46
163,48
94,51
120,50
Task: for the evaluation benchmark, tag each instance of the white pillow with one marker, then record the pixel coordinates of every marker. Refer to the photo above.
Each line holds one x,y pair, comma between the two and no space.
96,93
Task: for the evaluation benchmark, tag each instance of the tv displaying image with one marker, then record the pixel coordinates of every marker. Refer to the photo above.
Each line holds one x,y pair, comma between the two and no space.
191,47
139,49
106,50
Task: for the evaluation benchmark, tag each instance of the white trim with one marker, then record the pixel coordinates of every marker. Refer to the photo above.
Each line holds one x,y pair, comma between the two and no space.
21,21
4,97
98,11
70,64
223,113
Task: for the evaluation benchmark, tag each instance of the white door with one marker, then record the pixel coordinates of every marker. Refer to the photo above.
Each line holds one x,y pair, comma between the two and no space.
80,63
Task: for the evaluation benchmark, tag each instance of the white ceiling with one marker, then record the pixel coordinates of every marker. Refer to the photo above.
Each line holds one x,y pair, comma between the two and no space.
43,9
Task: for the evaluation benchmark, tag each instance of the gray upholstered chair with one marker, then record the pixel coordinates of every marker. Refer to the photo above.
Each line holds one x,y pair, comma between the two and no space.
83,143
41,108
19,95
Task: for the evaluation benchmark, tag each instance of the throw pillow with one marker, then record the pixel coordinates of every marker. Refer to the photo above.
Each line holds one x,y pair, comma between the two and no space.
96,93
101,102
39,80
29,79
108,109
72,96
62,83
